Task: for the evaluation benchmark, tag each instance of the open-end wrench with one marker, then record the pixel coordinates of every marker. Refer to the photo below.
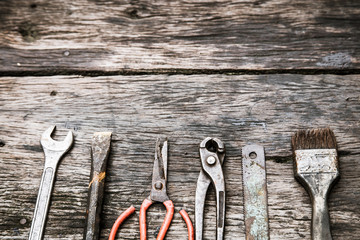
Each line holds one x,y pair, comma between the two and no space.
53,151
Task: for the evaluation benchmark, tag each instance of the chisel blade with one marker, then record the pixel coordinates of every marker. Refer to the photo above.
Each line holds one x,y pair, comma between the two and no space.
255,193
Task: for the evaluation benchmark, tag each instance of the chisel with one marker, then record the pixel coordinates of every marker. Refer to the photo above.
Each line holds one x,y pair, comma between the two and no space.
100,149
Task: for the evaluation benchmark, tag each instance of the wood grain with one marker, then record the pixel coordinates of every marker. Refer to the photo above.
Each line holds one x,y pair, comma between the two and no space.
242,109
165,36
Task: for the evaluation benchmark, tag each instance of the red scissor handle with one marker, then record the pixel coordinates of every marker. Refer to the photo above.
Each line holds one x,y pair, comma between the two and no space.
164,227
119,221
145,205
189,224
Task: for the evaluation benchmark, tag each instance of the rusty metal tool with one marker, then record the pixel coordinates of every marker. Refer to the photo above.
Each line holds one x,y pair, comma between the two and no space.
255,193
157,194
212,155
54,151
316,168
158,191
100,149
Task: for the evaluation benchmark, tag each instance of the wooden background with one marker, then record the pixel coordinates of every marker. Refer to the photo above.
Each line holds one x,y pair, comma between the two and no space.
243,71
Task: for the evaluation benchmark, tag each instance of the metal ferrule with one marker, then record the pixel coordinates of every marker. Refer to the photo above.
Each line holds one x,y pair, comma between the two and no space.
316,161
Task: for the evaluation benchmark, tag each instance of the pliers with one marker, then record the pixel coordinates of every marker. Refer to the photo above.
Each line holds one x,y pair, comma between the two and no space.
212,155
157,194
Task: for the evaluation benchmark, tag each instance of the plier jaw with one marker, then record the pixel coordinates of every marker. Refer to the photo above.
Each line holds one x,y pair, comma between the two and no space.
212,155
211,148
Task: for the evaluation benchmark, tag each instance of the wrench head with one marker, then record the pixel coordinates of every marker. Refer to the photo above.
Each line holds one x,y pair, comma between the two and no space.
50,145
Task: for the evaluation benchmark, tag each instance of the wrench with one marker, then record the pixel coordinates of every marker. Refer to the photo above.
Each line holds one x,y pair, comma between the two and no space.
53,151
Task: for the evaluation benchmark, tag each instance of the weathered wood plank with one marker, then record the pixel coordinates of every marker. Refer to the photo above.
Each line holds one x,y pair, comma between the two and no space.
138,35
241,109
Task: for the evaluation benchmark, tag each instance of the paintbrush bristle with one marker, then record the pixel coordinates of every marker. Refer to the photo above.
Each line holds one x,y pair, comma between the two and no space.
322,138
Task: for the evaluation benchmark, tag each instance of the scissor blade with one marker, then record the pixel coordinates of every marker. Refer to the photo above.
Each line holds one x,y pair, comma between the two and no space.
164,157
160,163
158,189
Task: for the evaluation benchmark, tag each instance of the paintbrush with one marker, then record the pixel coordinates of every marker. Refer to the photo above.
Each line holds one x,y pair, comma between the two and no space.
316,168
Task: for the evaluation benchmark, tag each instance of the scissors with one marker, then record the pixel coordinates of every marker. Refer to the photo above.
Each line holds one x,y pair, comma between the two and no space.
157,194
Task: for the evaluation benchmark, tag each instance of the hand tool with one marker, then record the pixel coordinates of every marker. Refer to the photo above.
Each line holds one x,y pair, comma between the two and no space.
119,221
316,168
157,194
53,151
100,149
131,210
212,154
189,225
255,192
